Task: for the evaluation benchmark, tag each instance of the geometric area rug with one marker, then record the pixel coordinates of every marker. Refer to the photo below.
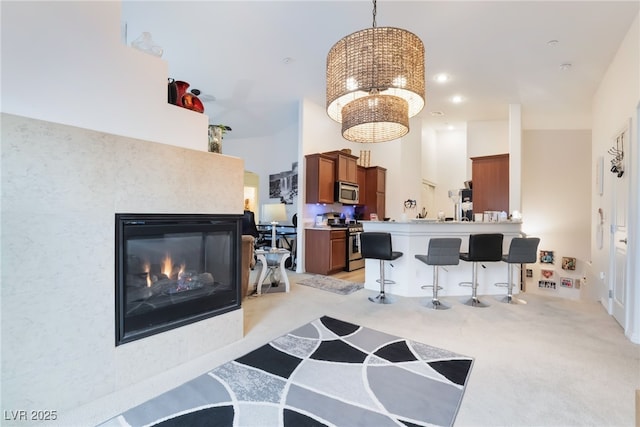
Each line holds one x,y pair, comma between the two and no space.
325,373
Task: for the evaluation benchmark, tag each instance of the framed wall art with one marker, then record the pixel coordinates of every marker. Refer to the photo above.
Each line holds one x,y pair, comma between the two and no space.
566,282
546,284
546,273
546,257
568,263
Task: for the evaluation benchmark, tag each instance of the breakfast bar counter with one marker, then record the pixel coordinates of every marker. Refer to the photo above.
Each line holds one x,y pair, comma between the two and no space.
412,238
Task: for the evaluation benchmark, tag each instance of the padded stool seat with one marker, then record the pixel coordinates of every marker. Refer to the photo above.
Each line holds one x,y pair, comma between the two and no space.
482,248
522,250
441,251
376,245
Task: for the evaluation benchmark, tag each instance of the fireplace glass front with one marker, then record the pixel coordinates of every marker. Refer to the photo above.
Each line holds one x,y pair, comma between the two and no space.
172,270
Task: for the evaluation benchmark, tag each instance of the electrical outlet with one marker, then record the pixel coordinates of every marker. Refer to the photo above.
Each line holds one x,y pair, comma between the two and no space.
602,275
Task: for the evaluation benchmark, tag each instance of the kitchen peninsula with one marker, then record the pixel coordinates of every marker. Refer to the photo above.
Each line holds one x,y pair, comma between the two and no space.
412,238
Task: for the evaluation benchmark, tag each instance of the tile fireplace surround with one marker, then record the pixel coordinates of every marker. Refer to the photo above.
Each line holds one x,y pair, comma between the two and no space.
61,188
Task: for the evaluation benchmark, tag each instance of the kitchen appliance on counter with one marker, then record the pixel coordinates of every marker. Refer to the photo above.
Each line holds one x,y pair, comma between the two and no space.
355,260
466,204
333,219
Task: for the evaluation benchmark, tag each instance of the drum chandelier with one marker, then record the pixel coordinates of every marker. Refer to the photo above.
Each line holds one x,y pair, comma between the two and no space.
375,82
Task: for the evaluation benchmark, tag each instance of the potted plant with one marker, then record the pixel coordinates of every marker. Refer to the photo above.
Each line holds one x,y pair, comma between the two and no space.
216,133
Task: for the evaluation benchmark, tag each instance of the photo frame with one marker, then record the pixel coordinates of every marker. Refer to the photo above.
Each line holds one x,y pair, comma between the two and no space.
568,263
547,257
546,273
546,284
566,282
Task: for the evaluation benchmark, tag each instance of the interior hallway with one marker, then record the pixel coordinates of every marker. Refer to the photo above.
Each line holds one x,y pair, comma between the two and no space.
551,362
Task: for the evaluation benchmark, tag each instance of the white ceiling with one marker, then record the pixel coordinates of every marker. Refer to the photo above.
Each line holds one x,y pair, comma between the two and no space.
497,53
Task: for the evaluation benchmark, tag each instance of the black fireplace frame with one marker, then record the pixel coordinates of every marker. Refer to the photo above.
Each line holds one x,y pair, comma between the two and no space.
186,221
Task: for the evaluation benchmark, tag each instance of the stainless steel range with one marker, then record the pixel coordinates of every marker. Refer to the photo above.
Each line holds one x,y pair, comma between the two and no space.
354,253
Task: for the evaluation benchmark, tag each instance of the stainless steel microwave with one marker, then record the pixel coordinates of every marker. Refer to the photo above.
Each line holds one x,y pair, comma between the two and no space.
347,193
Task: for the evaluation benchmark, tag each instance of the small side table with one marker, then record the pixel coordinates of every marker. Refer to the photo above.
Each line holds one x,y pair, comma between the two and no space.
272,260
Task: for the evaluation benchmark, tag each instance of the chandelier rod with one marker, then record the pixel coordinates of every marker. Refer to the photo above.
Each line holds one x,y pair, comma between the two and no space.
375,10
374,75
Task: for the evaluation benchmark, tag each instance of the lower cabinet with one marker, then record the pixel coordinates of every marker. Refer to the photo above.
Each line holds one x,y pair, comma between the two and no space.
325,251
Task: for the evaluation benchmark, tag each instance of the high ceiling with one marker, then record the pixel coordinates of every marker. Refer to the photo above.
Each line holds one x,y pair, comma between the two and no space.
254,60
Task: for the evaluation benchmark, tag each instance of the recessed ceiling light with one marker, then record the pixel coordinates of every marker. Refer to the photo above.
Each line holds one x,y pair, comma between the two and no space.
552,42
457,99
441,78
566,66
287,60
437,113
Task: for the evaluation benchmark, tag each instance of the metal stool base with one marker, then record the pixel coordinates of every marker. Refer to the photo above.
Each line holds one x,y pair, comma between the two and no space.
475,302
382,299
435,304
512,300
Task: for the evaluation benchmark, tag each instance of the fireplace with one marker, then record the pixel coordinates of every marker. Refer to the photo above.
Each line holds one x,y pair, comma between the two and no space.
174,269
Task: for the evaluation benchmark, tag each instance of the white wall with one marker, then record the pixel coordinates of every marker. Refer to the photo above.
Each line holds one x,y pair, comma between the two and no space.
451,167
556,198
61,188
487,138
614,103
268,156
64,62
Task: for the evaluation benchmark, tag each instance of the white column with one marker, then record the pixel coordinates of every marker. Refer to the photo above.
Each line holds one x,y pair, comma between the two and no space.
515,157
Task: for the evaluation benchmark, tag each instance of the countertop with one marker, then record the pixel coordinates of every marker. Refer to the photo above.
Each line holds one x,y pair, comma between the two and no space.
326,227
435,221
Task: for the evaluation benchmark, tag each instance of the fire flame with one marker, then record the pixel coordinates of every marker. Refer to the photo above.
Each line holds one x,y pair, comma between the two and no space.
168,269
147,269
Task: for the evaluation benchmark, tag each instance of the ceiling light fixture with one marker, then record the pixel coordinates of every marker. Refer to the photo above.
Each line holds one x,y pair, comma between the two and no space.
457,99
441,78
375,82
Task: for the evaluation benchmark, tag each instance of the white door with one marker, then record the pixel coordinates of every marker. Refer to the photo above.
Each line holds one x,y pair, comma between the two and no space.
618,276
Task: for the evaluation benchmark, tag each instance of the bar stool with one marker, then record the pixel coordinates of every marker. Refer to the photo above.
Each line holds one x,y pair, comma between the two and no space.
376,245
482,248
522,250
441,251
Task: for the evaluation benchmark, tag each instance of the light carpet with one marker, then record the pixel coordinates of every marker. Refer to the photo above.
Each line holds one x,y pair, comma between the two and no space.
331,284
325,373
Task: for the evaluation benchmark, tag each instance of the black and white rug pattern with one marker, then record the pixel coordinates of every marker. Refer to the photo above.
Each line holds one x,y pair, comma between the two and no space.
325,373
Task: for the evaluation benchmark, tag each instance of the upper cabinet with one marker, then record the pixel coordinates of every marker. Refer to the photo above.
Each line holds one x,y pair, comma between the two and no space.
320,178
375,191
490,177
346,166
361,173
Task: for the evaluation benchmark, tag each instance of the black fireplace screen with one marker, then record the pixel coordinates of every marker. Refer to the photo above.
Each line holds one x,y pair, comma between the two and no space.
172,270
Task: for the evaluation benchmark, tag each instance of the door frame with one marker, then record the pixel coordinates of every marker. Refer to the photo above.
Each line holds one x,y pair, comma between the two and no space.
619,231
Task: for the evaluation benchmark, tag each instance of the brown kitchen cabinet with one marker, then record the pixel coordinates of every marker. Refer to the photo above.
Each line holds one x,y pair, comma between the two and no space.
361,173
325,251
490,178
320,179
346,166
375,191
